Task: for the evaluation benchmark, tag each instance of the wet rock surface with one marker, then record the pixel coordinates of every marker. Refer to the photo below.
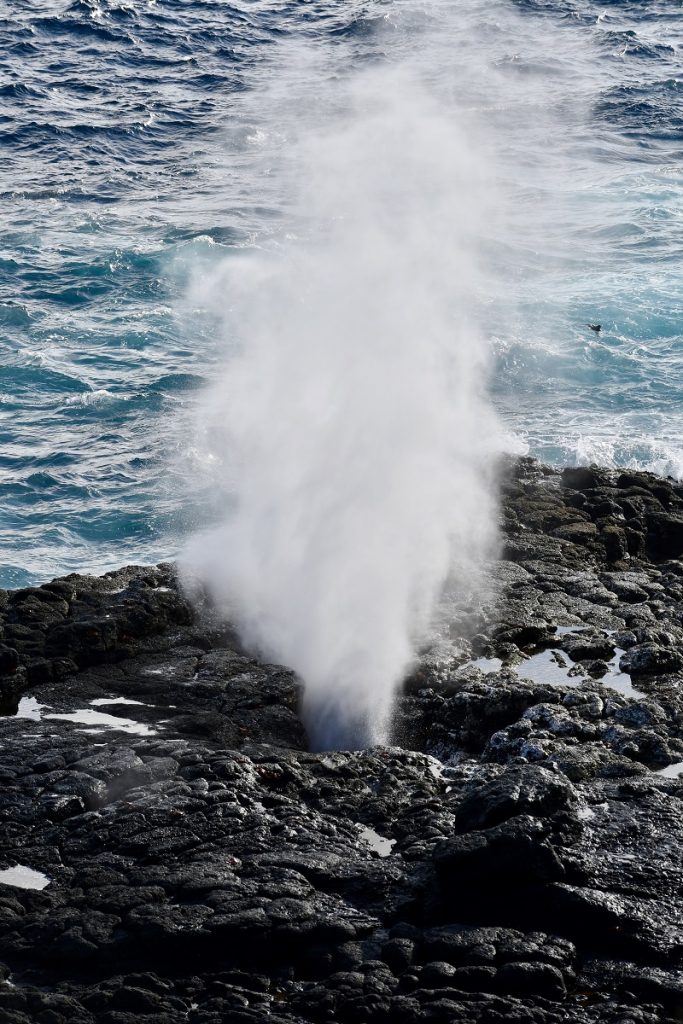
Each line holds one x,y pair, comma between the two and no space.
517,855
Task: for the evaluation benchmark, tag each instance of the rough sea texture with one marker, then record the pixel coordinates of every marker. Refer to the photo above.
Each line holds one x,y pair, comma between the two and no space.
128,165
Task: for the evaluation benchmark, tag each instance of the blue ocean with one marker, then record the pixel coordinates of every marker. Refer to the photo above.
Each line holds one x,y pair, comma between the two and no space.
136,160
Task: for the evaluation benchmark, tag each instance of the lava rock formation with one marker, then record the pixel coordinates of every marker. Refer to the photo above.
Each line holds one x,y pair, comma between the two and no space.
516,856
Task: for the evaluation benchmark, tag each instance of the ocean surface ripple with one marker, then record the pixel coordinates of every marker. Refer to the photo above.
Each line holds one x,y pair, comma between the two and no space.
127,167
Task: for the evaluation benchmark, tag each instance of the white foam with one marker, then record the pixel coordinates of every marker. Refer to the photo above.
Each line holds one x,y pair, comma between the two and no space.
91,397
551,665
544,667
487,664
104,701
30,708
377,843
24,877
100,720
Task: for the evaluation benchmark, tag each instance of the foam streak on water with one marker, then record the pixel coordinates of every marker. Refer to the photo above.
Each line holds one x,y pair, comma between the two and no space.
22,877
132,157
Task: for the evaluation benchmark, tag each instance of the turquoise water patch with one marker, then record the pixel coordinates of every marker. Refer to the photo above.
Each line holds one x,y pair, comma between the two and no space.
136,167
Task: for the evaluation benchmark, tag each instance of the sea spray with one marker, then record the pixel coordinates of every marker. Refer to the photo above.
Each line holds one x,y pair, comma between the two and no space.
350,433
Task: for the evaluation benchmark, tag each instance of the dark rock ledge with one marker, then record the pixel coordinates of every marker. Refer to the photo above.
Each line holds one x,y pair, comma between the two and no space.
205,868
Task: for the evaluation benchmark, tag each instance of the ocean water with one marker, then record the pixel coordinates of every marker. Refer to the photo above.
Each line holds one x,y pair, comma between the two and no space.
136,158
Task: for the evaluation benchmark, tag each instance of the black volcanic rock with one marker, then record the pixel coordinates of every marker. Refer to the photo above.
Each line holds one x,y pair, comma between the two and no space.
516,856
529,790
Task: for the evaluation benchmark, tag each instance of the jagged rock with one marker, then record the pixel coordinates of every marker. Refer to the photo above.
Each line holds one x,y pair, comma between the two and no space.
664,535
583,478
516,852
522,979
529,790
650,659
9,660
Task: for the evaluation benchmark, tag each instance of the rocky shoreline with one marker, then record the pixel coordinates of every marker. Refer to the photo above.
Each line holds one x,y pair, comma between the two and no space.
175,853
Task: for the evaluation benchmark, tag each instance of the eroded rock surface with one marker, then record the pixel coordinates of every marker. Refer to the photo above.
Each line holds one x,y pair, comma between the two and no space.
516,856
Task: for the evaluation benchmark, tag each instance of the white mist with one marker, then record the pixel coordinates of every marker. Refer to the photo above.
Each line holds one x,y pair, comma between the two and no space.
350,428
